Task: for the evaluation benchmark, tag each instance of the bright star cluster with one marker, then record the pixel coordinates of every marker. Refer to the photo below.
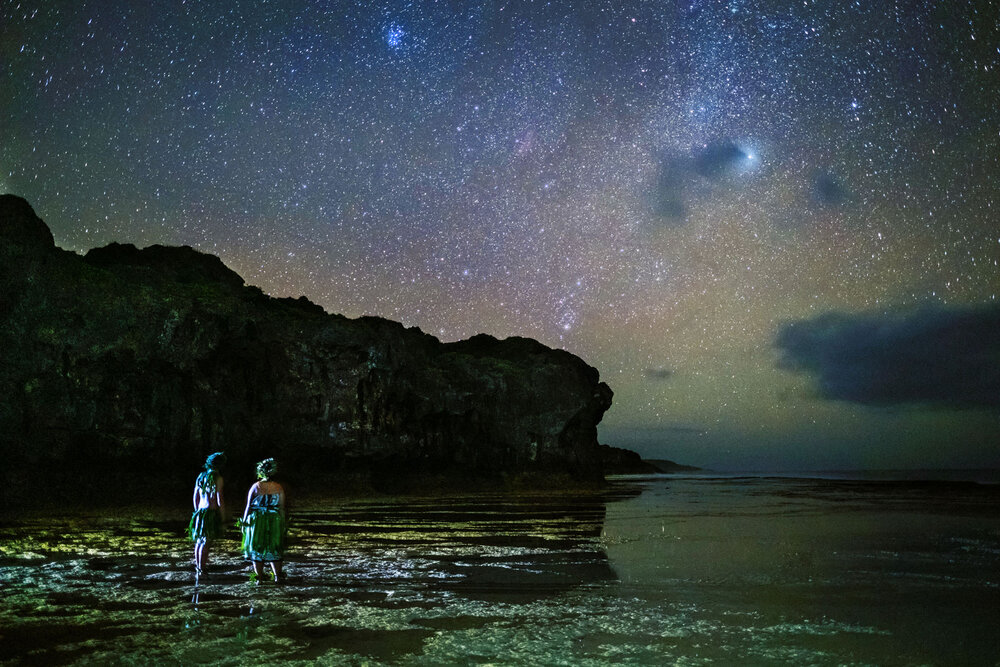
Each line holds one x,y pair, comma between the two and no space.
658,187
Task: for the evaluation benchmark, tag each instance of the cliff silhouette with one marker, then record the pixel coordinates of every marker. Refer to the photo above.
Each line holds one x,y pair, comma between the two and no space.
124,368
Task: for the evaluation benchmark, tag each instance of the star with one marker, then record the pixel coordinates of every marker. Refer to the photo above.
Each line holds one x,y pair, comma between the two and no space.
709,175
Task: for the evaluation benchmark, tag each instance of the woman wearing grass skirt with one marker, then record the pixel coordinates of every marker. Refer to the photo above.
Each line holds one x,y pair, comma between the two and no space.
209,506
263,524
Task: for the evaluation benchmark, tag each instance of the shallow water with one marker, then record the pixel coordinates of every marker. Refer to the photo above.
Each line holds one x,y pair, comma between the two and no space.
685,571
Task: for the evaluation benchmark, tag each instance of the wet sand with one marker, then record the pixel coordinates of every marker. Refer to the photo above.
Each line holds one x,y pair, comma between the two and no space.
661,571
366,580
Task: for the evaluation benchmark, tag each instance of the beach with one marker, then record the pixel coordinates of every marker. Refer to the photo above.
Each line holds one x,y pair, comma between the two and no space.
695,569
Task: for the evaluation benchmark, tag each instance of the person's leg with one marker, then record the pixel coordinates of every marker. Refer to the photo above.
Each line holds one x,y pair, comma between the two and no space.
258,569
276,569
199,548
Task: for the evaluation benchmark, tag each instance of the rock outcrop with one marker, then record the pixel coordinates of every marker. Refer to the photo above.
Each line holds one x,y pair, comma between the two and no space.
668,466
126,367
619,461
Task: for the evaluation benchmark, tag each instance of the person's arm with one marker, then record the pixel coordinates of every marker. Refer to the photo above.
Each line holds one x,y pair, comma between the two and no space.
196,496
250,495
281,499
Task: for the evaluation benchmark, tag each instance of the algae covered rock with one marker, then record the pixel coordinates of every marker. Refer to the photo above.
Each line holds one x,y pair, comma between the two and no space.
125,367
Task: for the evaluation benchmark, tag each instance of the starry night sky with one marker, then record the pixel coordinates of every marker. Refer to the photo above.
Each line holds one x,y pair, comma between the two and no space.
774,227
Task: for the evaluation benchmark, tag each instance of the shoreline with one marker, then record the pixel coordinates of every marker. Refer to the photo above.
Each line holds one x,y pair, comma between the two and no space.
179,506
614,485
984,476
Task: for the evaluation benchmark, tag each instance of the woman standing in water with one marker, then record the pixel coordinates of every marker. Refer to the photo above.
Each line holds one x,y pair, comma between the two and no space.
209,507
263,523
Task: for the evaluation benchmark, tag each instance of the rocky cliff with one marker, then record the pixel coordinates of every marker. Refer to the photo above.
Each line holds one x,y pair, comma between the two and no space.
123,368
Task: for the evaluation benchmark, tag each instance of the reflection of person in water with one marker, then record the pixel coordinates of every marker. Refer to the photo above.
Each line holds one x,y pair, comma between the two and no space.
209,506
264,526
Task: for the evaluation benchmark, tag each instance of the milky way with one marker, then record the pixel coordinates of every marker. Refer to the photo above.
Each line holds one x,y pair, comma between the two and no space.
663,188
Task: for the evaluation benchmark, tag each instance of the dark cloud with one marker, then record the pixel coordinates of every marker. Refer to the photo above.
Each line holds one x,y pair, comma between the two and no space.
934,356
828,190
686,181
680,177
718,159
659,373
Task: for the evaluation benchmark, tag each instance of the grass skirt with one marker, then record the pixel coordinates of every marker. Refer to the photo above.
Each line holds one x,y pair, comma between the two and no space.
206,524
264,535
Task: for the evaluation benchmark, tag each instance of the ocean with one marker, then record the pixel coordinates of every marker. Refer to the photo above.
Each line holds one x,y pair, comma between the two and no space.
706,569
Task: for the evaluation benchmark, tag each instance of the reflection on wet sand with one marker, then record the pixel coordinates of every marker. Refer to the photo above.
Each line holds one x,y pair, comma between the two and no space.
506,548
374,579
760,571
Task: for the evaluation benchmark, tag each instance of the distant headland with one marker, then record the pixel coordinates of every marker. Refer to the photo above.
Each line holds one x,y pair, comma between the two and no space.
619,461
125,367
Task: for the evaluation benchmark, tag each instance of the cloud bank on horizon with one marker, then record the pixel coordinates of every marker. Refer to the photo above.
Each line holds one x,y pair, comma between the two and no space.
934,356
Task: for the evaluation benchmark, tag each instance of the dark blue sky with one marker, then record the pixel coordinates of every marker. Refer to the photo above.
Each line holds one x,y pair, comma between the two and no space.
666,189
